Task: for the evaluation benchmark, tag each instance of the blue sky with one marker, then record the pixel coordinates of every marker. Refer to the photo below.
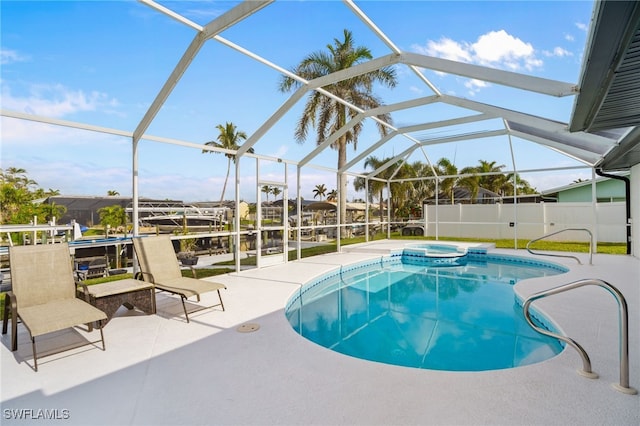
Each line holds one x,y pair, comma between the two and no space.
103,62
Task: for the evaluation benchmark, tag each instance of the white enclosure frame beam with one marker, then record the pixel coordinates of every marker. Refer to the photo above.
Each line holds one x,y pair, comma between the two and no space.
373,27
409,150
493,75
219,24
589,142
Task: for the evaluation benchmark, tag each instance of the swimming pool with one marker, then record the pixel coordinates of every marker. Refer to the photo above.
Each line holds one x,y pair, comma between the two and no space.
436,250
410,309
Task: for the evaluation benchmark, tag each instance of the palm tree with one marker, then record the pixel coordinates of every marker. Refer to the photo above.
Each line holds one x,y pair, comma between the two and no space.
328,115
375,186
401,191
447,168
112,217
42,193
472,182
320,191
267,190
49,211
17,177
112,193
424,188
332,195
17,193
494,181
522,186
229,138
275,191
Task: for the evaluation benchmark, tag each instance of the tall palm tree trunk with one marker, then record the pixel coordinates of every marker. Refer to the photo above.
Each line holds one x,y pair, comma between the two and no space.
224,187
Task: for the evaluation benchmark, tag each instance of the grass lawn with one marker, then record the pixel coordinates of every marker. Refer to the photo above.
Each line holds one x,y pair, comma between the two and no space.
573,246
560,246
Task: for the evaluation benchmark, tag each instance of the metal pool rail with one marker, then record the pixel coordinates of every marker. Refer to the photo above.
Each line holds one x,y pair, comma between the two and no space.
564,255
623,320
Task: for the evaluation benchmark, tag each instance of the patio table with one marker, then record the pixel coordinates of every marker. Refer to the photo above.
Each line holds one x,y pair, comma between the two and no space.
109,296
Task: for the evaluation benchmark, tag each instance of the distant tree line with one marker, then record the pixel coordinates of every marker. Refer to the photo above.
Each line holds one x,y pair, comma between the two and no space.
18,195
407,196
20,198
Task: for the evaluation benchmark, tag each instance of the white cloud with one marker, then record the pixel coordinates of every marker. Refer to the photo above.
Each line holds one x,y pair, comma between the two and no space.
474,86
205,14
497,48
280,153
447,49
10,56
581,26
557,51
55,100
569,37
22,132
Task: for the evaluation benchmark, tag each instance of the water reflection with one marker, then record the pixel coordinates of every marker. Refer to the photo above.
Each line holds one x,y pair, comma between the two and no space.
460,318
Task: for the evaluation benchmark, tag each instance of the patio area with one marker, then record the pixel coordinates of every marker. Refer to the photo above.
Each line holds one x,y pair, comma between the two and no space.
157,369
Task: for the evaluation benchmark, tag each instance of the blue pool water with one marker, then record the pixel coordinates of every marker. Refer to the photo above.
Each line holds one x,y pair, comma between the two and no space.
407,310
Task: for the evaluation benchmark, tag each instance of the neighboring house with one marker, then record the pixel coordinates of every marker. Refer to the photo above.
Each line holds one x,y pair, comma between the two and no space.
607,191
84,209
462,195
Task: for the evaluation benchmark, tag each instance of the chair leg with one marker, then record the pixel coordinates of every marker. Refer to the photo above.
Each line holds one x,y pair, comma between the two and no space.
153,301
184,308
5,317
35,359
220,296
11,307
14,331
104,348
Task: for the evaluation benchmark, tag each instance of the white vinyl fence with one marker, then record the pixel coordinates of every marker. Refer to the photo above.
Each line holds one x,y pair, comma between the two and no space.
528,221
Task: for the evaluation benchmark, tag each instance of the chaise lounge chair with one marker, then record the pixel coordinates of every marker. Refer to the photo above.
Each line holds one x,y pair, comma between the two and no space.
43,294
159,265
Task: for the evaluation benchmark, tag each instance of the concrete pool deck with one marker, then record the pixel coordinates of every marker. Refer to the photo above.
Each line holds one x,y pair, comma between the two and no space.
157,369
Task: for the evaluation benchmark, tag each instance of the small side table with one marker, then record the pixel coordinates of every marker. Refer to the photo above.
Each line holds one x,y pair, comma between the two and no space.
109,296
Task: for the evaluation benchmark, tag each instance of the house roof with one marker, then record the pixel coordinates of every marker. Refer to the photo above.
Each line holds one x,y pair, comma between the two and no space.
580,184
609,86
609,95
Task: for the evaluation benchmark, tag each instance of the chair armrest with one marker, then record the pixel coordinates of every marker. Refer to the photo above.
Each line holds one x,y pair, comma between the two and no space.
84,291
142,276
193,271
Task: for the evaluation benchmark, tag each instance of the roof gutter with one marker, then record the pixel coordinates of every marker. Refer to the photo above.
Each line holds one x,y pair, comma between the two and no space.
627,187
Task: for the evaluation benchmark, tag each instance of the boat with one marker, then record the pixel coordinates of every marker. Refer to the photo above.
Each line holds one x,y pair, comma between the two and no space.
170,217
173,221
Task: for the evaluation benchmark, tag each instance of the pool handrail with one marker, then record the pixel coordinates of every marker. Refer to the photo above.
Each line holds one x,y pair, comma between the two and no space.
564,255
623,324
